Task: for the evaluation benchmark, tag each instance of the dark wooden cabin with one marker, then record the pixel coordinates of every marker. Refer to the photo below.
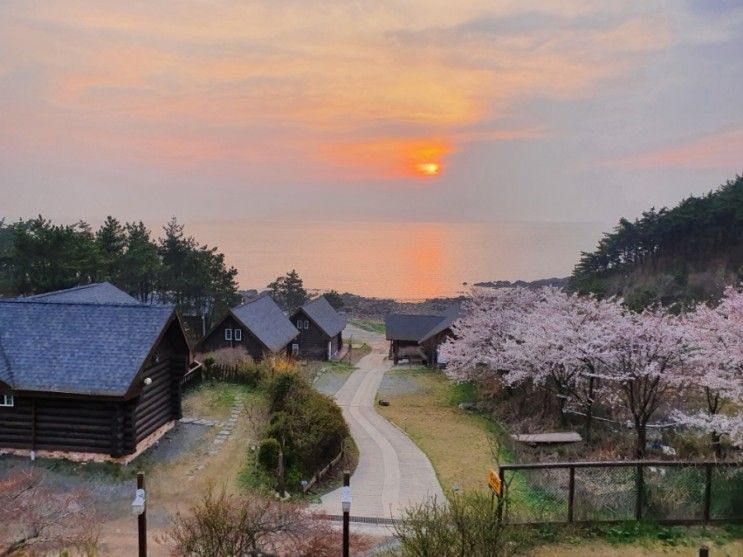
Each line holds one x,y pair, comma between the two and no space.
320,330
258,325
95,377
416,338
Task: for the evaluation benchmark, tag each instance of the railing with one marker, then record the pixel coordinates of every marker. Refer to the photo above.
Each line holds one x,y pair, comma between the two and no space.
669,492
193,375
319,475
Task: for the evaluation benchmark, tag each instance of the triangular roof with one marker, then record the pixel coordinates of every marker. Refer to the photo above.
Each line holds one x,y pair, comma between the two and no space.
95,293
77,348
264,318
418,328
324,316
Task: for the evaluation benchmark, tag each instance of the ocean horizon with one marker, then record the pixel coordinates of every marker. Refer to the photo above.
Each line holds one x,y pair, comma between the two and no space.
390,259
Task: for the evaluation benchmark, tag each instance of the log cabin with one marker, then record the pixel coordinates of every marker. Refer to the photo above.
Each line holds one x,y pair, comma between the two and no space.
320,330
258,325
88,379
416,338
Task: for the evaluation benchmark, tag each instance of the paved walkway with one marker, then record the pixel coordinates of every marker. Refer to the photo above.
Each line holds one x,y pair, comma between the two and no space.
392,472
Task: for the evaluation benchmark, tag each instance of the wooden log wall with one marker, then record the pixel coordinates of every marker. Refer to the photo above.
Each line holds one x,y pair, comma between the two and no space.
80,425
155,406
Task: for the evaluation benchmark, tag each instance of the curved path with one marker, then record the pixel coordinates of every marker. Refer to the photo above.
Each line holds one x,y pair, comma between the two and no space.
392,471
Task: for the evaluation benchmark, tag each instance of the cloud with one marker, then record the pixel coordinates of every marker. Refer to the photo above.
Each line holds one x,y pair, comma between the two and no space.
235,82
721,150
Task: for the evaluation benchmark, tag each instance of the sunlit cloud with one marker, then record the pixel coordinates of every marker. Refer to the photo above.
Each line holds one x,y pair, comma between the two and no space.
339,89
722,150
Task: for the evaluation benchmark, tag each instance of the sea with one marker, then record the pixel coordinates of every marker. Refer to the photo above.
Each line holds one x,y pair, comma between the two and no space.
402,260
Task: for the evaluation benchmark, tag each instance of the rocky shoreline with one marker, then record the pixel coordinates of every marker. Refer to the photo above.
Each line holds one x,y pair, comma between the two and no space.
374,309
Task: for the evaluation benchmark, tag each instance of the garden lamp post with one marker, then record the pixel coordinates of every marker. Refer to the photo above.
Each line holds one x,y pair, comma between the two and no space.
346,505
139,509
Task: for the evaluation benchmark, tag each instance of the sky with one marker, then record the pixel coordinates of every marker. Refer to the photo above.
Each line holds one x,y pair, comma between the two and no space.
427,110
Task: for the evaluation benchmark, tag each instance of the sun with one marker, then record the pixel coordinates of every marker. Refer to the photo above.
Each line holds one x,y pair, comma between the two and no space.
429,168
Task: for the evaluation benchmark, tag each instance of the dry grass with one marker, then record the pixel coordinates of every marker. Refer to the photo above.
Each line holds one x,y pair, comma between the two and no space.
457,443
602,549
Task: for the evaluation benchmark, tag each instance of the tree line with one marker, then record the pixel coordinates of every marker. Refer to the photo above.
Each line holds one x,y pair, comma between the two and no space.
696,231
38,256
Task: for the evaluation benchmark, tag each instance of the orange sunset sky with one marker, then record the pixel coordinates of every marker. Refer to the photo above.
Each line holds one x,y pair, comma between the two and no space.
435,110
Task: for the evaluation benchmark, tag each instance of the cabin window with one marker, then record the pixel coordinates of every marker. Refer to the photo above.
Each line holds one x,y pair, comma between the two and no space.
228,334
295,349
306,324
238,334
299,324
6,400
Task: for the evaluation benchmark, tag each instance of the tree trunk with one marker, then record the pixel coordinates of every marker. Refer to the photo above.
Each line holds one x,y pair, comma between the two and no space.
716,444
589,410
640,447
281,487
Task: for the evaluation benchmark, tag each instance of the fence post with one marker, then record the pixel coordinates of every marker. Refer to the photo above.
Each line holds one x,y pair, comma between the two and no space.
571,493
501,503
707,490
640,489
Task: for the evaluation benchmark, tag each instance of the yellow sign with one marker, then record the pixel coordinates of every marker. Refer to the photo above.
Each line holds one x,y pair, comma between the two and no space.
494,481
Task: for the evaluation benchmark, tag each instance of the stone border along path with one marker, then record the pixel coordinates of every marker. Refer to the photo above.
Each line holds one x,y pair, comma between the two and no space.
222,436
227,428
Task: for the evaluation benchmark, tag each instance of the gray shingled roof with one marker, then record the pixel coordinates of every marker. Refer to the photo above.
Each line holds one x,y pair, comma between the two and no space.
96,293
325,316
449,317
85,348
266,321
418,328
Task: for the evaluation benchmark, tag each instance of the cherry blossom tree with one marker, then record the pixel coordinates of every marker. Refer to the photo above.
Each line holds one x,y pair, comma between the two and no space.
543,337
643,354
581,348
476,352
557,346
716,367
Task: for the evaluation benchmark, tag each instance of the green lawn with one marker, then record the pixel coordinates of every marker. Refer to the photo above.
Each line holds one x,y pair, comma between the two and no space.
369,325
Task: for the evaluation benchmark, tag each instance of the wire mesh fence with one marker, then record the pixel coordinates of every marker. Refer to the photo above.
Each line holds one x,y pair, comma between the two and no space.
670,492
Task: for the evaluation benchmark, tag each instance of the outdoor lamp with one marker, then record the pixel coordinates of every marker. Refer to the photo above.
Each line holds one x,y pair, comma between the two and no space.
346,498
148,381
138,503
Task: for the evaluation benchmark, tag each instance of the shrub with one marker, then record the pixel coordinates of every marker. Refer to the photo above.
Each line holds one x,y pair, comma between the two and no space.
229,356
282,387
318,430
268,453
469,525
248,373
224,524
231,525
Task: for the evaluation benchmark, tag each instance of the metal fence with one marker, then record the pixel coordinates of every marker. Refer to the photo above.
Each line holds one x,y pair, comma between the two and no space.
678,492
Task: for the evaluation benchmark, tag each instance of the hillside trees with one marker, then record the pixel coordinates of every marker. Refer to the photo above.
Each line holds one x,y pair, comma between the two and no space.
39,256
699,230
